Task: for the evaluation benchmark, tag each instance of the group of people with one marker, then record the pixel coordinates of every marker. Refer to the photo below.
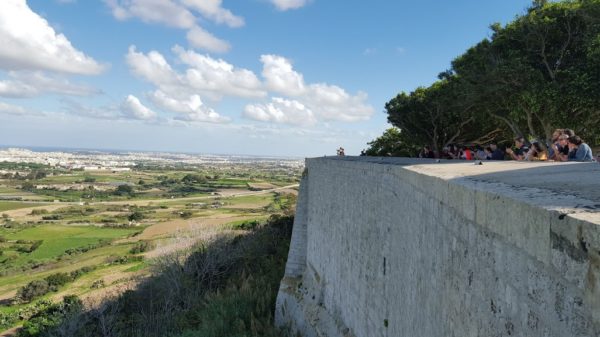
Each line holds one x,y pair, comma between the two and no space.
564,146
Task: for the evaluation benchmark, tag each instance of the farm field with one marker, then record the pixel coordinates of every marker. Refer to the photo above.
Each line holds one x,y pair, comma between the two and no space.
94,234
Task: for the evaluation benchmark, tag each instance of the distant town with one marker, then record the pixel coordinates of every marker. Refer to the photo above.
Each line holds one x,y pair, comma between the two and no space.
89,160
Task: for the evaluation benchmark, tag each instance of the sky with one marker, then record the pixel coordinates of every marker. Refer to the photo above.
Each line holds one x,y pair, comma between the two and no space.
253,77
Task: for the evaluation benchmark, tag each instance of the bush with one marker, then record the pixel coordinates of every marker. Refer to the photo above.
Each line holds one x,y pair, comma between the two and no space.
39,211
35,246
136,216
186,214
141,247
226,287
32,290
57,280
124,190
52,217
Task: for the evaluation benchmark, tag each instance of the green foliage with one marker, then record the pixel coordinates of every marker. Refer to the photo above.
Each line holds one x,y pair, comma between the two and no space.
124,190
193,179
538,73
32,290
50,283
186,214
28,186
225,288
141,247
136,216
52,316
391,144
39,211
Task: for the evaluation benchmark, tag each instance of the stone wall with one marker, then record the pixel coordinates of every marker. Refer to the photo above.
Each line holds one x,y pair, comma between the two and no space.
400,247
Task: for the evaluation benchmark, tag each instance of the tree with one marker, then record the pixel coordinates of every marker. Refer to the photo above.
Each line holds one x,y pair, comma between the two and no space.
535,74
189,179
390,144
124,190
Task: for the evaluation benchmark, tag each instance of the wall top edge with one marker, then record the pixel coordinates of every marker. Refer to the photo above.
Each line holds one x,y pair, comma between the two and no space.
572,188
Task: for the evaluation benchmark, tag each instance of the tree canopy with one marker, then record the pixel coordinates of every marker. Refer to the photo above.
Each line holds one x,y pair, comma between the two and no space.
537,73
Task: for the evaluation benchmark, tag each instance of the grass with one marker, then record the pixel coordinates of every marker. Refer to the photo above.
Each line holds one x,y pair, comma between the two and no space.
226,288
91,258
8,205
10,190
58,239
250,199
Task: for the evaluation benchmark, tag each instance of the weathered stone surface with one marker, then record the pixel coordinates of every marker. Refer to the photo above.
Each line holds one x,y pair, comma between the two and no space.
400,247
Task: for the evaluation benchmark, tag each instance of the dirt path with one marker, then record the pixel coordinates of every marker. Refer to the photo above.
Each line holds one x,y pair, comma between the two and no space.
167,228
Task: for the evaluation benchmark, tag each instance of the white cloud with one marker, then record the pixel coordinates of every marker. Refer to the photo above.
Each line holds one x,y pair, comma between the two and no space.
281,77
165,12
328,102
284,5
332,103
281,110
212,9
179,14
206,77
190,109
200,38
132,107
30,43
152,67
31,84
212,77
9,109
74,108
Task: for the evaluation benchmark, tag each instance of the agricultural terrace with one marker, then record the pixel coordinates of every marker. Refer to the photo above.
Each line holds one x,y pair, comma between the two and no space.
73,232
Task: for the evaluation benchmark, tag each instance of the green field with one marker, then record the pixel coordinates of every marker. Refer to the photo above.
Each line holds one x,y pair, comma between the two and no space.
58,239
98,227
10,205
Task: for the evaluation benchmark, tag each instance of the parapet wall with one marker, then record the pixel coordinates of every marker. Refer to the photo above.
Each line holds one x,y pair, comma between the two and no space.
399,247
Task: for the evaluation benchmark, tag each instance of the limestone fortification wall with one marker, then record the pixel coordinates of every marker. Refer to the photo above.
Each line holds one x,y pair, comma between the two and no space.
399,247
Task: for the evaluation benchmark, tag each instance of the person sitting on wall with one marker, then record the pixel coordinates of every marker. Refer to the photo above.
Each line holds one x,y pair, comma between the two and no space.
561,149
580,150
466,154
340,151
480,152
497,154
453,152
426,152
537,152
520,149
553,145
488,153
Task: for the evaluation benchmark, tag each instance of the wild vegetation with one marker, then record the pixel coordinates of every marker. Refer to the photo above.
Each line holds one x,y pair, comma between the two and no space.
72,242
535,74
225,286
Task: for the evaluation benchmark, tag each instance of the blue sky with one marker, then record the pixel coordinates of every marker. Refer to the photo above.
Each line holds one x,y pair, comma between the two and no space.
262,77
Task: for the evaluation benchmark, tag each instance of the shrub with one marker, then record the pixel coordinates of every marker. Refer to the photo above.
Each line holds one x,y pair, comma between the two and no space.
141,247
39,211
226,287
32,290
136,216
124,190
186,214
58,279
